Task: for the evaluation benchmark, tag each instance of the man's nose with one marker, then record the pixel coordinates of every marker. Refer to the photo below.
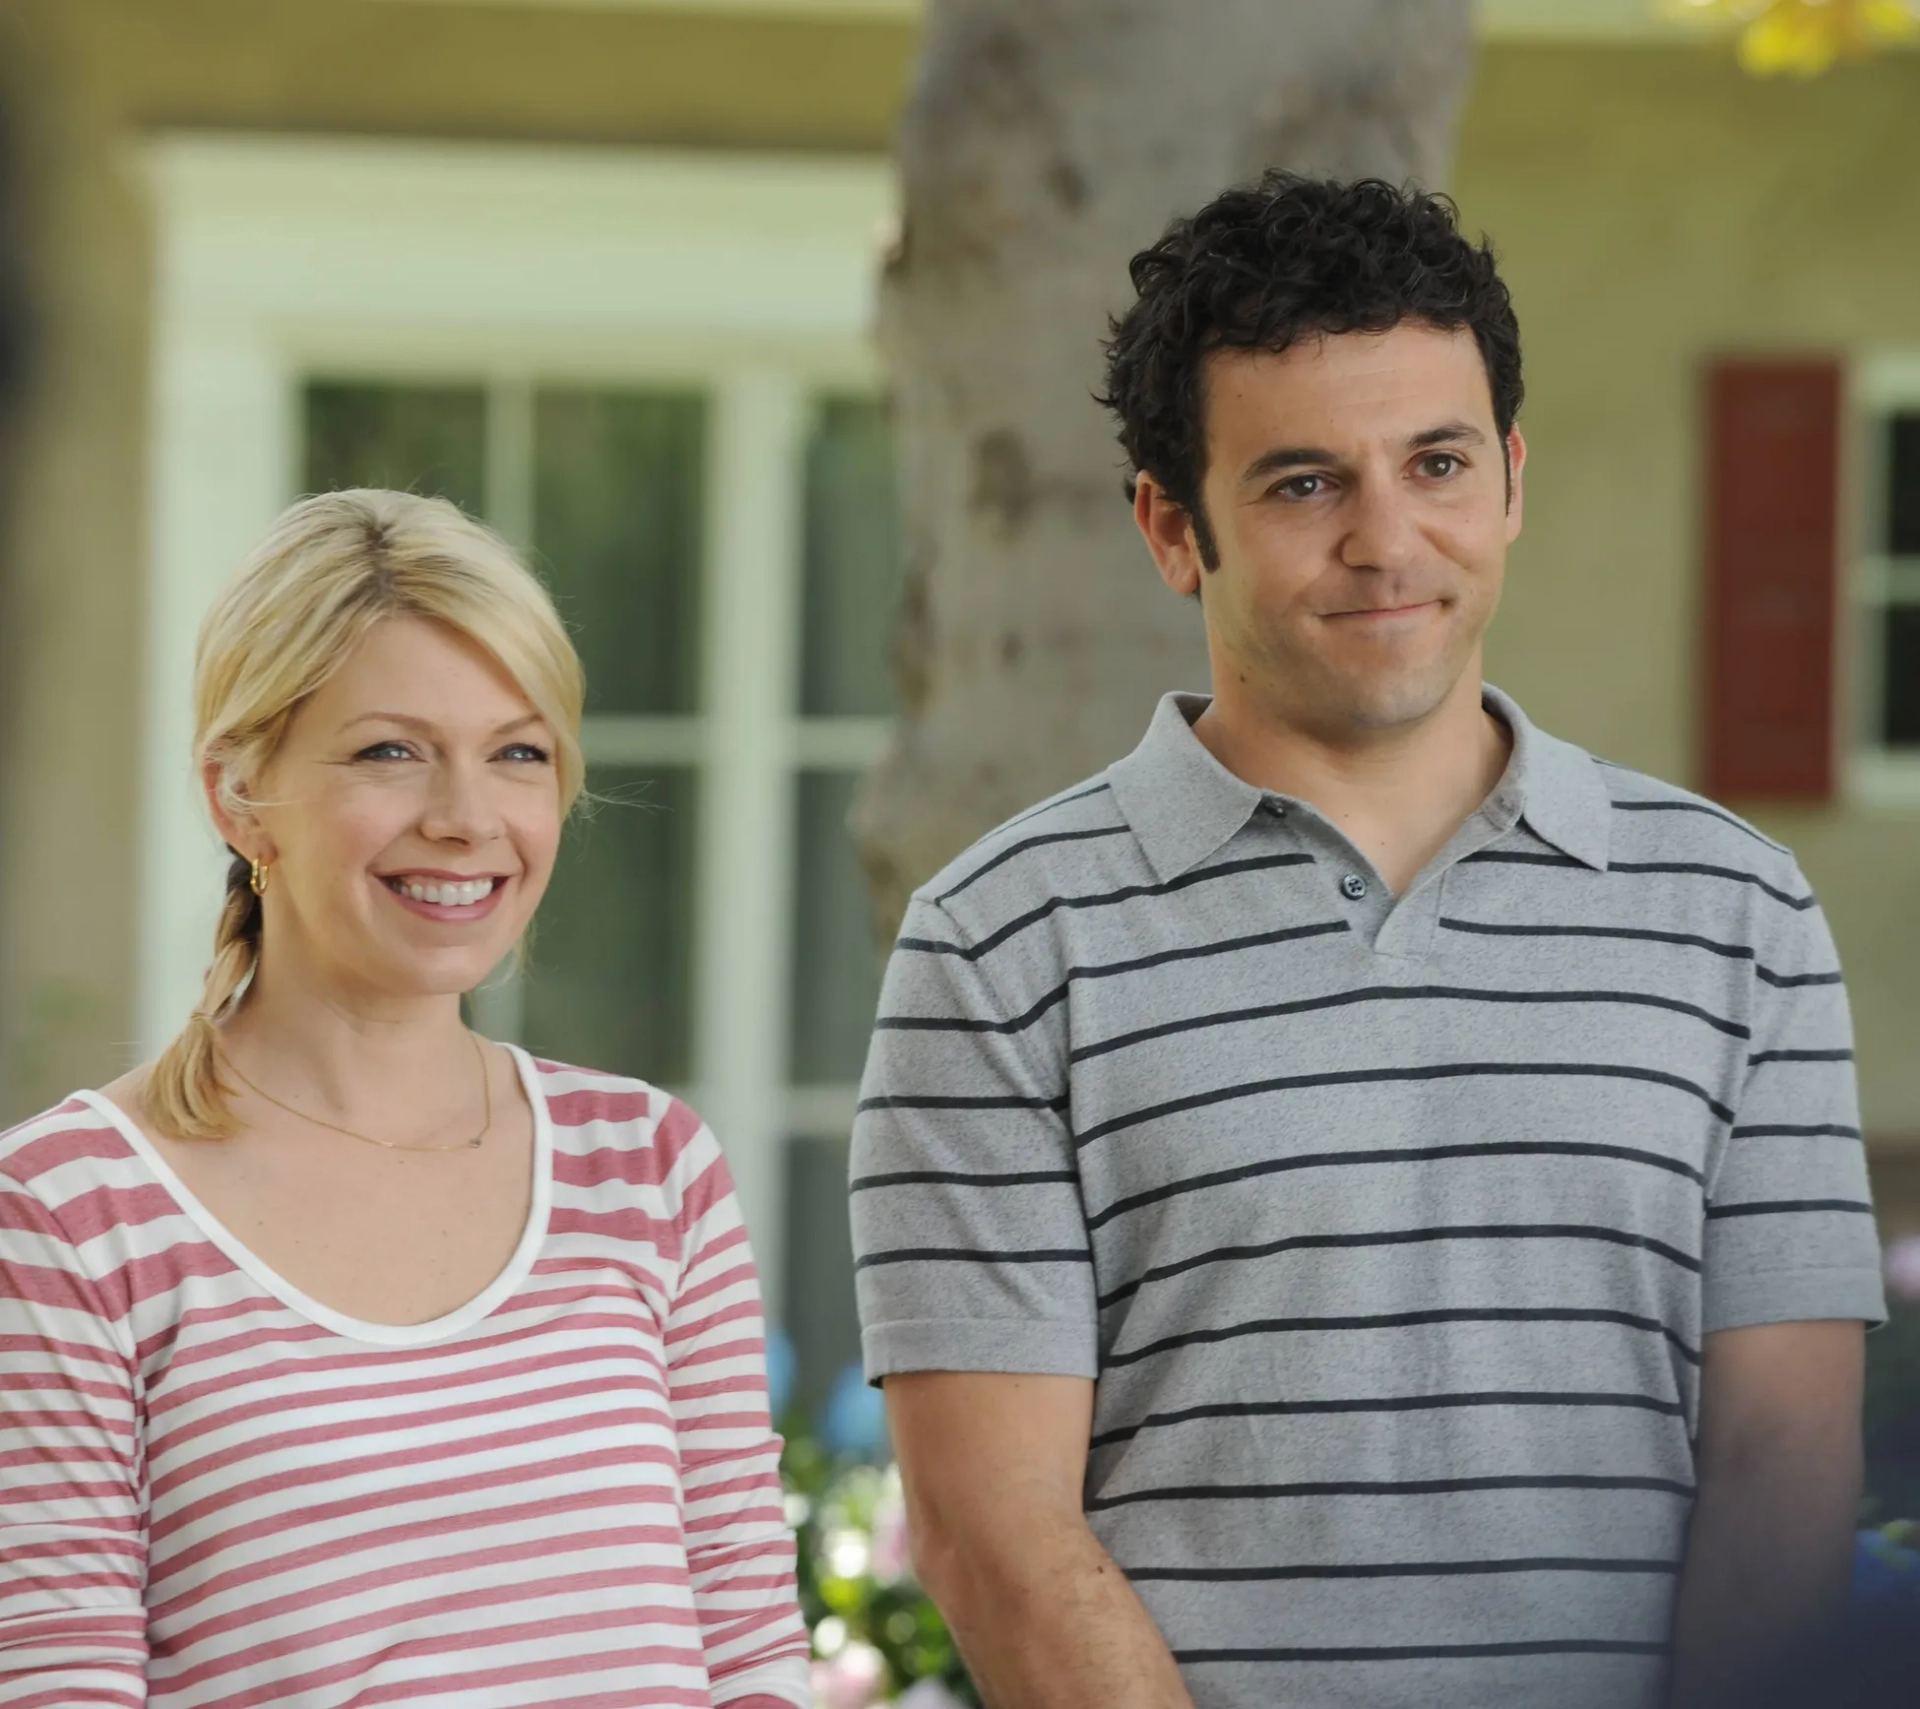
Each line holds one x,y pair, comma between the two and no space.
1381,533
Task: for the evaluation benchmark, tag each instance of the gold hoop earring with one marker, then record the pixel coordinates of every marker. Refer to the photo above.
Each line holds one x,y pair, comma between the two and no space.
257,879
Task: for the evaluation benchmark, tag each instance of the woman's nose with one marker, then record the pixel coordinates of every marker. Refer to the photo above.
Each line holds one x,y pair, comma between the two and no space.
460,807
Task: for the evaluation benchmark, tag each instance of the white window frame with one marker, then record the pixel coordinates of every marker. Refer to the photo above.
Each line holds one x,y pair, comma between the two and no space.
1878,776
751,277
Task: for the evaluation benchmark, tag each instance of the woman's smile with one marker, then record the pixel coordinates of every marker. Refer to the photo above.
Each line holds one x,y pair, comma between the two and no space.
446,896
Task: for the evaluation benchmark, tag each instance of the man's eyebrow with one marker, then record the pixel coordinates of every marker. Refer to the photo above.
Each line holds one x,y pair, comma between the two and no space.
1286,457
1313,456
1447,433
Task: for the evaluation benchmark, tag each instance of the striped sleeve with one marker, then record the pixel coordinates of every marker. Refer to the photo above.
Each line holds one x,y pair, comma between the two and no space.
970,1243
740,1554
1790,1234
72,1512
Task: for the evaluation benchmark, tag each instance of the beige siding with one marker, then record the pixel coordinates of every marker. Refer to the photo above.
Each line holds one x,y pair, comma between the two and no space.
1655,207
1652,206
87,78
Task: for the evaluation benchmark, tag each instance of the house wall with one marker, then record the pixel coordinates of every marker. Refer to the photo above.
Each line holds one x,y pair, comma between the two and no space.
86,79
1652,207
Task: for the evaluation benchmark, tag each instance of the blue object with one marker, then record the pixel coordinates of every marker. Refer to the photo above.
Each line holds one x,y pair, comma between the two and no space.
854,1420
780,1372
1886,1576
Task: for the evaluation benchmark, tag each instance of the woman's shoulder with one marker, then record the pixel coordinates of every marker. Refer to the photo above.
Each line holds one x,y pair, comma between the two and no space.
37,1152
575,1095
612,1132
65,1175
592,1098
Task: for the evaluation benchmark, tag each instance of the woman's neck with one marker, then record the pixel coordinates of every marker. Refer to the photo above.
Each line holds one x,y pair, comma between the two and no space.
341,1053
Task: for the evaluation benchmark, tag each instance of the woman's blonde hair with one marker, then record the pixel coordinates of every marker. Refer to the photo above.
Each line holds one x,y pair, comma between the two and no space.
329,570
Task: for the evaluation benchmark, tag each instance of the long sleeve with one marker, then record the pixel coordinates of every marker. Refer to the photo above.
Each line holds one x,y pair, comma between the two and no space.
73,1549
739,1549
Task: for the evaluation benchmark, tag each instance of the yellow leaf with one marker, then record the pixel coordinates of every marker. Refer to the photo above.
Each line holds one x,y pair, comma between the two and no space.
1791,38
1802,38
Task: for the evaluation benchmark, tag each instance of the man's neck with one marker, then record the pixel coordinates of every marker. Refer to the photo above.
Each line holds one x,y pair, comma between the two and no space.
1398,795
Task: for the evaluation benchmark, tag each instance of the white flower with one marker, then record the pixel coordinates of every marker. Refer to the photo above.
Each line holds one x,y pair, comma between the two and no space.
930,1694
847,1553
1903,1268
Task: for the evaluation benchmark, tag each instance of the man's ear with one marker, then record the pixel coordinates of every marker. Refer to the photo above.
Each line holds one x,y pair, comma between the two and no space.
1516,486
1168,529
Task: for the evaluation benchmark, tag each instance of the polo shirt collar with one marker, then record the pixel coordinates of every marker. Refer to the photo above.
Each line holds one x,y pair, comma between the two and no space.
1183,804
1554,786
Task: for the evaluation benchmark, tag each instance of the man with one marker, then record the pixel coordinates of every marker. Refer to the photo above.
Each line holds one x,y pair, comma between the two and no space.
1361,1203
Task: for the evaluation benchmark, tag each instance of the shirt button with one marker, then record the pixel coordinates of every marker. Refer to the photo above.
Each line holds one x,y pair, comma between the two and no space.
1353,887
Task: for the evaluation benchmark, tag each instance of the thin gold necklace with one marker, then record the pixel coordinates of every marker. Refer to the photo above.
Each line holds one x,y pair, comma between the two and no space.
486,1094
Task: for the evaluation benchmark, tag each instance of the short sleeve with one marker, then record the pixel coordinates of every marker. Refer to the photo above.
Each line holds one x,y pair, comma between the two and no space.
970,1241
1790,1234
72,1504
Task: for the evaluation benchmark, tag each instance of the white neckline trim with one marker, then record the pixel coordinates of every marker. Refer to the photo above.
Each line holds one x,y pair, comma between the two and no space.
532,1237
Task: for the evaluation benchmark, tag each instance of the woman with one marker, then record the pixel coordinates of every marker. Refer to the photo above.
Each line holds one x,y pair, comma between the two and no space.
345,1357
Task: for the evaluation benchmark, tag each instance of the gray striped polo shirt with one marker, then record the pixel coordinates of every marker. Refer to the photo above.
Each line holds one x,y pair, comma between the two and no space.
1389,1227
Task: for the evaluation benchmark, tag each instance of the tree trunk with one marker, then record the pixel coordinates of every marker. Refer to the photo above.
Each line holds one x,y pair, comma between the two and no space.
1046,142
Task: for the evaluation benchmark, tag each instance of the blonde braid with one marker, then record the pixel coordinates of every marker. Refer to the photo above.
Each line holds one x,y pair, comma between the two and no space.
184,1095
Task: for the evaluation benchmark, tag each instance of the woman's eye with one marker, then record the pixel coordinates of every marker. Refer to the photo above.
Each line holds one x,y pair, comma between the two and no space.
526,753
385,751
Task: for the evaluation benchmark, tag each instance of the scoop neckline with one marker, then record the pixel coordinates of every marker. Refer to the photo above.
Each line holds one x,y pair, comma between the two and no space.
452,1323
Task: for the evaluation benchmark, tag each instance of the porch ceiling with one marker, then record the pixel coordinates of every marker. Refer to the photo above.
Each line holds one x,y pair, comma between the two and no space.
1591,20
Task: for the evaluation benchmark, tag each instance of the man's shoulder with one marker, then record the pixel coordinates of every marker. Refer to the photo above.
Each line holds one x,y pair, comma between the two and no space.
1658,824
1068,844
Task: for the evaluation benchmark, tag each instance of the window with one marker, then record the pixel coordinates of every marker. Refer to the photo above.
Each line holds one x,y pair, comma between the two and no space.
1888,585
652,372
608,486
1897,657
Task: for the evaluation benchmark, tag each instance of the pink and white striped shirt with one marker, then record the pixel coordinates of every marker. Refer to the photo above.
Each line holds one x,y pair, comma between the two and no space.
216,1492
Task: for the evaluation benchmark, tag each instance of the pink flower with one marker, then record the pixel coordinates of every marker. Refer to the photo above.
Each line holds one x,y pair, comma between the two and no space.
1903,1268
852,1679
892,1557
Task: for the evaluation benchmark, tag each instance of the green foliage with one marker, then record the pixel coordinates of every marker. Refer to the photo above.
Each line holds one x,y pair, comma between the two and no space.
856,1585
1893,1416
859,1596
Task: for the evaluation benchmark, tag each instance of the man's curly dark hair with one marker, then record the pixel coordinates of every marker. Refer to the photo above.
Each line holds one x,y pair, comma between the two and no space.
1261,268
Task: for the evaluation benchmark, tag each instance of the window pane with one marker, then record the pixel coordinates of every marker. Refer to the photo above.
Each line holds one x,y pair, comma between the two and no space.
611,976
617,494
1902,666
836,969
422,439
821,1318
1903,486
852,561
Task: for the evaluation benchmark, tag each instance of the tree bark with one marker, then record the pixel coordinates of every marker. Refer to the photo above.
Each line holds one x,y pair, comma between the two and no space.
1046,142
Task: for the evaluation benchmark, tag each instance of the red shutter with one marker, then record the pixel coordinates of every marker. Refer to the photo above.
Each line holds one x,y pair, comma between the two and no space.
1773,485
